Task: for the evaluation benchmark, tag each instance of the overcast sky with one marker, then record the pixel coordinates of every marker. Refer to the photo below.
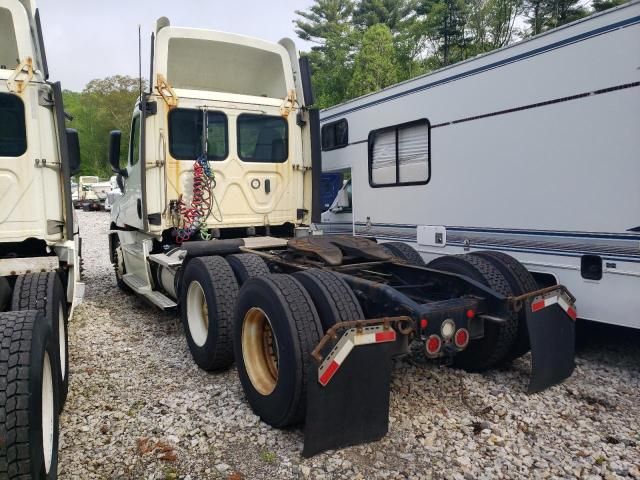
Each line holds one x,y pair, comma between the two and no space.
87,39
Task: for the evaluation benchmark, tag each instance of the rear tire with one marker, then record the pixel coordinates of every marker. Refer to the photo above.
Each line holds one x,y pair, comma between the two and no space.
498,339
403,252
276,329
246,266
44,292
332,296
28,397
521,282
208,295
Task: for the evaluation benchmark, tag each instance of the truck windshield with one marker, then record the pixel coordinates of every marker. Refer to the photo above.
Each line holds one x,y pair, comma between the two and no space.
13,135
185,134
262,138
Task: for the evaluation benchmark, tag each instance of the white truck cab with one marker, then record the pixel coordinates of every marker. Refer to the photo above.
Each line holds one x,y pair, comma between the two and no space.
249,113
39,247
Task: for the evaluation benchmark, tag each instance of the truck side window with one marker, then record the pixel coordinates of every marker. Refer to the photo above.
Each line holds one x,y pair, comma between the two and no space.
263,138
134,141
185,134
9,48
335,135
400,155
13,134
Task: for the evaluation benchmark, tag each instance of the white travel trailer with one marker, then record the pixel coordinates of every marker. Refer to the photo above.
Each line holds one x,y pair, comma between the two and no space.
532,150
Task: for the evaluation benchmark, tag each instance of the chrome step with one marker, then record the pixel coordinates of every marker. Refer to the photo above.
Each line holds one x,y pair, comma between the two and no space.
137,284
165,260
160,300
133,248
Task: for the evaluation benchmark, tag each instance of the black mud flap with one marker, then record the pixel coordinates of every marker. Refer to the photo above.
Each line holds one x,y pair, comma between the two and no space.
552,336
353,407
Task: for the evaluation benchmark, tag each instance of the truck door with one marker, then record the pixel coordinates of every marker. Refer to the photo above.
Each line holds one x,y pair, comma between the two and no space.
132,211
21,202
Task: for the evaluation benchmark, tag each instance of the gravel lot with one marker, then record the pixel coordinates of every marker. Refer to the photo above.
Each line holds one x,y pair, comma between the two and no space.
139,408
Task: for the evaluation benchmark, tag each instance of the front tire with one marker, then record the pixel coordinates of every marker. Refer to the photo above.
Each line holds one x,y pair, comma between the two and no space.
28,397
276,329
44,292
208,297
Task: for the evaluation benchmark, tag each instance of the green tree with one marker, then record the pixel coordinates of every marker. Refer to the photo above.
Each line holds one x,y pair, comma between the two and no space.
445,26
601,5
374,66
542,15
328,24
104,105
400,16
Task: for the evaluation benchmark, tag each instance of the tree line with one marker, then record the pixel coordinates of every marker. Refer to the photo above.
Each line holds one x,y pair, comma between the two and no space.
360,46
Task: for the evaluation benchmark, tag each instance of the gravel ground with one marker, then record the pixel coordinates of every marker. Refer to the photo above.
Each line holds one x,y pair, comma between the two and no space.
139,408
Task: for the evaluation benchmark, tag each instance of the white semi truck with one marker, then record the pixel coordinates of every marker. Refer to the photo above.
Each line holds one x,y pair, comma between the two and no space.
219,187
531,150
39,248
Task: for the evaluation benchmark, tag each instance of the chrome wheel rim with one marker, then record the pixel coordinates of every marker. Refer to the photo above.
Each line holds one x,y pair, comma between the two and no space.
197,314
48,412
62,342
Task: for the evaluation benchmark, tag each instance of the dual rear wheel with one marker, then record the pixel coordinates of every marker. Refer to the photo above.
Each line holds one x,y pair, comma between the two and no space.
269,326
29,396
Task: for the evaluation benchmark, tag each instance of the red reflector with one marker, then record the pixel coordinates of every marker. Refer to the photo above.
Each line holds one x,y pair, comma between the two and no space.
471,314
388,336
572,313
423,323
433,344
539,305
462,338
328,373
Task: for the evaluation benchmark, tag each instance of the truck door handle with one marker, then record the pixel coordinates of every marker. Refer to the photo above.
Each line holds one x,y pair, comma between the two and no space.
267,186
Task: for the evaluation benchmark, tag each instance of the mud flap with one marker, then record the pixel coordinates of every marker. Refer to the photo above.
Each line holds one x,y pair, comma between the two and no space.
353,407
551,325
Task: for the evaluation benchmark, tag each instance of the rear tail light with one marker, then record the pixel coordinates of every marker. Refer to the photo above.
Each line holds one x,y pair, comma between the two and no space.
462,338
433,345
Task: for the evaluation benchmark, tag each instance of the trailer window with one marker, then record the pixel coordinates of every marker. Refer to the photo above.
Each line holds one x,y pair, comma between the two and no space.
13,134
335,135
263,138
185,134
400,155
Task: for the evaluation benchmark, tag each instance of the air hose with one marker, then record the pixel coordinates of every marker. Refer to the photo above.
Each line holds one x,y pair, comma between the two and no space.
195,215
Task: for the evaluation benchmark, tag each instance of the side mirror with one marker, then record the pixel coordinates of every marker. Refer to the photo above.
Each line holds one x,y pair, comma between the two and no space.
73,146
114,152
